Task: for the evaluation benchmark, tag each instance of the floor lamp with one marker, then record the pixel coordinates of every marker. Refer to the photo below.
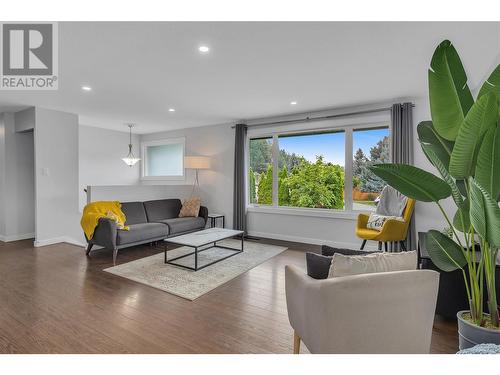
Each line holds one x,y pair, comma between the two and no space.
196,163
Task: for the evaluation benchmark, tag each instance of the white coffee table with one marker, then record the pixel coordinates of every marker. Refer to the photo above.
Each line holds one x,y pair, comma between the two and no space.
198,241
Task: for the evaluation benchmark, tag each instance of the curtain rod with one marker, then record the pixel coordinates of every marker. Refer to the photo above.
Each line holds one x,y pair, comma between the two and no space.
306,119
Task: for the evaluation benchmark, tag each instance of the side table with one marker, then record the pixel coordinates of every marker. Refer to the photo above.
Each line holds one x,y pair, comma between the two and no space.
213,220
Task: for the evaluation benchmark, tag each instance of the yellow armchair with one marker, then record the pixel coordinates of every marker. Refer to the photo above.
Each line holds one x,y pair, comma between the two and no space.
392,230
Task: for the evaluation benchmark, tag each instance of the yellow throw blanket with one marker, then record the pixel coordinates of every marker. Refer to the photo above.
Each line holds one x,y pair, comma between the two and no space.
98,210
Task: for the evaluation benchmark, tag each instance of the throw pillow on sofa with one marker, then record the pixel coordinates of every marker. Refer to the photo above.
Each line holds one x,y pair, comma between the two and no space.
190,207
343,265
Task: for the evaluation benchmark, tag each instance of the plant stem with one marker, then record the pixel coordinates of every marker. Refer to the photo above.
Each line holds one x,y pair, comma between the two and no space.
449,223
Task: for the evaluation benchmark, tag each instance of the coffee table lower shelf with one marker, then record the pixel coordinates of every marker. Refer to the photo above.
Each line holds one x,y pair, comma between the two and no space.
196,252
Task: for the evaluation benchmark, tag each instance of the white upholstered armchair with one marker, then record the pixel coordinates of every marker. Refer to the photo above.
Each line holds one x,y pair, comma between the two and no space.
389,312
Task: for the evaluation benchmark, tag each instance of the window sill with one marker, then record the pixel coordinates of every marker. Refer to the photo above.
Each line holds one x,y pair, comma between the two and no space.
309,212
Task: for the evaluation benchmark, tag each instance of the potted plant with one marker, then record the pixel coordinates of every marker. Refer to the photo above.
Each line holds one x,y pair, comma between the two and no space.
463,143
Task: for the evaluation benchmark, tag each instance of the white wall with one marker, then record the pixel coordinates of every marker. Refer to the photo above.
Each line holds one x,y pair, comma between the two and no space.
17,207
100,153
56,178
216,184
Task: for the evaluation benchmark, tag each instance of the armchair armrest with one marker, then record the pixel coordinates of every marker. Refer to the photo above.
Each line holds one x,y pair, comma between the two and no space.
203,213
105,233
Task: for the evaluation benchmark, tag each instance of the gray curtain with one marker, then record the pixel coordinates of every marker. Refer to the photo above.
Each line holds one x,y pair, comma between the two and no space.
239,199
402,151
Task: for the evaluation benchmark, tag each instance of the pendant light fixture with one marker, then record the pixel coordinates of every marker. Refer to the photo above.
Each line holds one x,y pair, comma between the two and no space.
130,159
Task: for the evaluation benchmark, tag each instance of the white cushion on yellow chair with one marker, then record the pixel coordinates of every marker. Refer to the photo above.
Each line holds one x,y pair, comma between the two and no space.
344,265
376,221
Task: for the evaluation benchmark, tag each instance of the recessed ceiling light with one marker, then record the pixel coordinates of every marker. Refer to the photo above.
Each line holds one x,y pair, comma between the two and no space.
171,109
293,103
86,88
203,49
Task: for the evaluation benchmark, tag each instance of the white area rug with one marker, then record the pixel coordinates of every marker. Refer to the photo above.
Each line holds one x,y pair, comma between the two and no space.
189,284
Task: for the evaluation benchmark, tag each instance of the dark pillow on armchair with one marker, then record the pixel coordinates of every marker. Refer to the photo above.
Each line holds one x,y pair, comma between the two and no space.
318,266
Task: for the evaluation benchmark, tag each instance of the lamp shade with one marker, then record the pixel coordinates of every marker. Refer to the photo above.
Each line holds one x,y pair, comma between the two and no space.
196,162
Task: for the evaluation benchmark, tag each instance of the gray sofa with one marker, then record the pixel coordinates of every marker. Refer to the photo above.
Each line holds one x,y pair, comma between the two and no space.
148,221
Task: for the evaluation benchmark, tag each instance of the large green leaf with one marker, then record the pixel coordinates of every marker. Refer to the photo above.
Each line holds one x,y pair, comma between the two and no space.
434,159
491,84
488,163
444,252
481,117
484,214
427,134
413,182
461,220
449,94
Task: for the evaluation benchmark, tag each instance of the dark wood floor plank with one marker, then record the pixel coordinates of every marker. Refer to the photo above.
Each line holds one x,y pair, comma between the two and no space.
56,300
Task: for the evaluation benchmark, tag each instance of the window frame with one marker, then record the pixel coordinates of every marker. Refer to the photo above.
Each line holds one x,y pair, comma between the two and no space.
348,129
162,142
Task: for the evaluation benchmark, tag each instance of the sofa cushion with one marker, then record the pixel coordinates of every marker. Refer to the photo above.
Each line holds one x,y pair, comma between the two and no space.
184,224
162,209
141,232
134,213
343,265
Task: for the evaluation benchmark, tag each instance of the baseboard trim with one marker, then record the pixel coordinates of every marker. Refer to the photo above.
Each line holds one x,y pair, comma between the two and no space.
312,241
17,237
52,241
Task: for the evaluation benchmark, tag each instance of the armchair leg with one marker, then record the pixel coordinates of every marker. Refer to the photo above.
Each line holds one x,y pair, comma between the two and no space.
115,253
403,246
363,245
296,343
379,246
89,247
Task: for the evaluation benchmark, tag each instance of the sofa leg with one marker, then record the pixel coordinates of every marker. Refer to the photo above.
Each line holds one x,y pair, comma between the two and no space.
385,247
89,247
379,246
115,253
363,245
296,343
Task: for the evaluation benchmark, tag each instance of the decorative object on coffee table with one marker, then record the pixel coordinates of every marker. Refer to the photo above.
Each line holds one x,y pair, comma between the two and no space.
213,220
202,241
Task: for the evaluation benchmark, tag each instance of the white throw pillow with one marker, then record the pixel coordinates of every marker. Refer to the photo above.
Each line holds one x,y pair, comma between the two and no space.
376,221
344,265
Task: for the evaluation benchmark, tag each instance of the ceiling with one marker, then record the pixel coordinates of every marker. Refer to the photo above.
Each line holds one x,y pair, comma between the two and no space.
138,70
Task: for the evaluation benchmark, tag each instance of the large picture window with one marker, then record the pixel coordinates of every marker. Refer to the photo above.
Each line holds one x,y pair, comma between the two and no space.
163,159
313,168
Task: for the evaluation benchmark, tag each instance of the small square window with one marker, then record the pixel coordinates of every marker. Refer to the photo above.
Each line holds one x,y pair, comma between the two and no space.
163,159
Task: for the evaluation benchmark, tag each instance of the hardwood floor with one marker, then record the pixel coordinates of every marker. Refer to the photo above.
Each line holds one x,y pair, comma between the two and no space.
53,299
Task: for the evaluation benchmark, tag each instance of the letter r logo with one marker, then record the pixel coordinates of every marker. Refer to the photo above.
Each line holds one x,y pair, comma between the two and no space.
27,49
